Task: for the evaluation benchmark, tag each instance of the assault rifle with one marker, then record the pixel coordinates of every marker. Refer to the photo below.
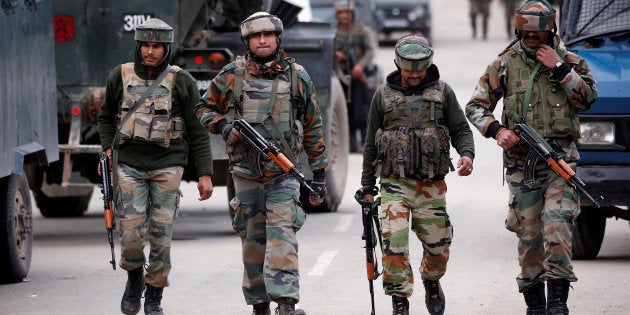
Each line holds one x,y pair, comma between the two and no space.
108,213
538,148
370,224
270,152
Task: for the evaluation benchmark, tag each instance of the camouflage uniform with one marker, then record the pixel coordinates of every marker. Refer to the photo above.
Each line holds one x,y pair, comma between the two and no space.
408,140
267,209
541,214
151,164
357,42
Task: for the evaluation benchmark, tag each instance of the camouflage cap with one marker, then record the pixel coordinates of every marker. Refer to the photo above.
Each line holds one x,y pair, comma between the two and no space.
535,16
261,22
154,30
413,53
344,5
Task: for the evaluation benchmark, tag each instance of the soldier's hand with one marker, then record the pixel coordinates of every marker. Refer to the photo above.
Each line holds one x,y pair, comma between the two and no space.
205,187
506,138
547,56
341,56
230,134
464,166
319,186
109,153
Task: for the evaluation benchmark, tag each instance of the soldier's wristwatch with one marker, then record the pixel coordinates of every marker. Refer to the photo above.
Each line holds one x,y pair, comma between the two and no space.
558,64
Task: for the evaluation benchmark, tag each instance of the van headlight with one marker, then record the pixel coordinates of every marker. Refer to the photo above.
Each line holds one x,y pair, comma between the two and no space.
415,13
597,132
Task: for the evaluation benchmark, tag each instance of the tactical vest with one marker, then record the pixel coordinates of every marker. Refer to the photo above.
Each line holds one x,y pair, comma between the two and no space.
152,121
267,105
413,141
548,110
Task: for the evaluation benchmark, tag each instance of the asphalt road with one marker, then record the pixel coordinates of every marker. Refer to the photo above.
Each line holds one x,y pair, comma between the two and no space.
70,273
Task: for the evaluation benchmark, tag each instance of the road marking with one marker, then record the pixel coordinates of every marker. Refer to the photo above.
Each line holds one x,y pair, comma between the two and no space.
323,262
344,223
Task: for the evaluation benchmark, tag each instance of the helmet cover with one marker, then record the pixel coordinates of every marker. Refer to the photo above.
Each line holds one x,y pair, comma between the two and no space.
413,53
344,5
154,30
535,16
261,22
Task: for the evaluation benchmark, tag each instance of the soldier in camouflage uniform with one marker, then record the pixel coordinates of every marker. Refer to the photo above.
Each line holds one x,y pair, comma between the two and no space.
414,117
149,156
545,86
479,8
510,9
277,97
355,45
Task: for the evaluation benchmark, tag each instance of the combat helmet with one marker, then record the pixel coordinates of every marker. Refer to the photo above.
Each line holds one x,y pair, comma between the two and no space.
535,16
413,53
344,5
154,30
261,22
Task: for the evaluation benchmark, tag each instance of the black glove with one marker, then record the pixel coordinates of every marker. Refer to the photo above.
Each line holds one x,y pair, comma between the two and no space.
371,190
230,135
319,185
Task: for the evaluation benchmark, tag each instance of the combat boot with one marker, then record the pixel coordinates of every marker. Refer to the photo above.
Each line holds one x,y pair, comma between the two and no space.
400,305
130,303
535,299
262,309
557,295
286,306
152,300
434,297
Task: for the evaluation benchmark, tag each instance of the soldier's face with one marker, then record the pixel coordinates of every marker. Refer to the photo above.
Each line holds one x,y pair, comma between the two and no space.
533,39
263,44
152,53
412,77
344,17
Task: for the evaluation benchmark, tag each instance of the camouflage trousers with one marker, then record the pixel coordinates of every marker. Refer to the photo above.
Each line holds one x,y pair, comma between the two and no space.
542,216
424,203
267,217
147,201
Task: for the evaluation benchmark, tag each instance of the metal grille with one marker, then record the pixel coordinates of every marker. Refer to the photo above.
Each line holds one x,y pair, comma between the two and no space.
601,17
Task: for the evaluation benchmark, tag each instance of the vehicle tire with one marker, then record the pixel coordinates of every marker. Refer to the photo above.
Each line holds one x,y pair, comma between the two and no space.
62,207
588,233
16,218
337,146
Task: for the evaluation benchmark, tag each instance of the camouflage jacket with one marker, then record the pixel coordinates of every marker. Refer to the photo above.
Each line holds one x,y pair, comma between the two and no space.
219,103
578,87
453,119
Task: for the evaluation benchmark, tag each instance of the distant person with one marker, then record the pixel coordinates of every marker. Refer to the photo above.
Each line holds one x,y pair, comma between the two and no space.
149,153
479,8
413,120
545,86
273,93
510,9
355,46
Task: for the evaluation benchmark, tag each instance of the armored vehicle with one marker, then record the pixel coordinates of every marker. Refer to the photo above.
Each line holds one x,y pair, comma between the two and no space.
599,31
94,37
28,127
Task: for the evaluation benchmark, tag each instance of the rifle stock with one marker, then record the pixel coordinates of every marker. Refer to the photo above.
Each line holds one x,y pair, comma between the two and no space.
538,148
108,207
271,151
